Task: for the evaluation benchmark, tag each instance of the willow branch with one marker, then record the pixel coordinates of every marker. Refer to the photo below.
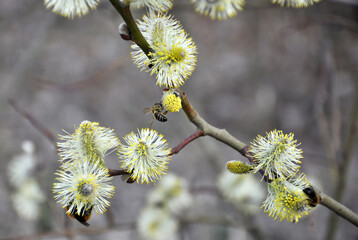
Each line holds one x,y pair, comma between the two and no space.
223,136
338,208
137,37
219,134
186,141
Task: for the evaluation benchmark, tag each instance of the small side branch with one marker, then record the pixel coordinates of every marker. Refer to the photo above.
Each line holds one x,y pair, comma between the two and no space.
186,141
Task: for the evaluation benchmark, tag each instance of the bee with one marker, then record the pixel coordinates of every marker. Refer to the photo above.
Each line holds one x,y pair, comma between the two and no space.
157,111
83,218
314,198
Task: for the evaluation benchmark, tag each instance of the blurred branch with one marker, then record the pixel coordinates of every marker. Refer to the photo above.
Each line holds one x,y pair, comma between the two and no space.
343,166
34,122
223,136
75,232
48,133
327,71
65,87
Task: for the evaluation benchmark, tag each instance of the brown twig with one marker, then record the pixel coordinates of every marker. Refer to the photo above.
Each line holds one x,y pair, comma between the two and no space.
34,122
114,172
186,141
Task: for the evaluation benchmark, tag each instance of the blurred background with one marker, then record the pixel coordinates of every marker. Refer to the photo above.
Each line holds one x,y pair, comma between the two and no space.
267,68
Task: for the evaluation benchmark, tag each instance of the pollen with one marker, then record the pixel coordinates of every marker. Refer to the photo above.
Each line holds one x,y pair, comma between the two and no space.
83,184
145,155
218,9
174,53
171,102
89,140
286,199
142,149
277,154
295,3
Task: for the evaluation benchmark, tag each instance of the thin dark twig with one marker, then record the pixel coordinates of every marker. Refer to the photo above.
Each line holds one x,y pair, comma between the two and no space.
186,141
34,122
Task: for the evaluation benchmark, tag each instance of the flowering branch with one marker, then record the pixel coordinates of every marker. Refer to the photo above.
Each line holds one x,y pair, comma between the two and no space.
137,37
186,141
223,136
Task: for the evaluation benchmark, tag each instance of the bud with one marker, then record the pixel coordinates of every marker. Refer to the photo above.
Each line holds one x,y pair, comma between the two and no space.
124,31
238,167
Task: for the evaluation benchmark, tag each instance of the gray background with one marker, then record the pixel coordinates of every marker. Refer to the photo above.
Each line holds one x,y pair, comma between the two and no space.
267,68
